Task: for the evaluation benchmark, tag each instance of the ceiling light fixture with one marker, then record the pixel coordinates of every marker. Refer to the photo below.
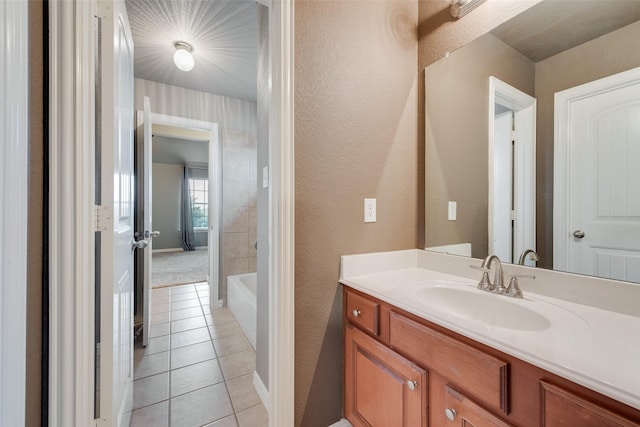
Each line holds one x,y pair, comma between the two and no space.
459,8
183,57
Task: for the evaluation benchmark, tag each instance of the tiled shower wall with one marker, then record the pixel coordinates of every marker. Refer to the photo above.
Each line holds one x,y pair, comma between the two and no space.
239,186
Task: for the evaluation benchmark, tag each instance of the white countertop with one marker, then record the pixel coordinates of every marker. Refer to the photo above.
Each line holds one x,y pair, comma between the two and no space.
592,346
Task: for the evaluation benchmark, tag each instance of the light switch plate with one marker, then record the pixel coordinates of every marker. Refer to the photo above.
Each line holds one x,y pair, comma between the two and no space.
369,210
452,213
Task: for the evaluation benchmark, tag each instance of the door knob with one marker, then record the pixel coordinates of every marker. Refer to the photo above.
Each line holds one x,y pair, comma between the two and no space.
356,313
578,234
148,234
450,414
412,385
140,244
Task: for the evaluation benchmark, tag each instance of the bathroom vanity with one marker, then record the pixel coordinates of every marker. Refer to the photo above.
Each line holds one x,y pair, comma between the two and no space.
424,347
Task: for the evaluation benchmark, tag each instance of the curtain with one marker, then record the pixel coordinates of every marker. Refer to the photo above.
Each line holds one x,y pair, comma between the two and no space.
186,222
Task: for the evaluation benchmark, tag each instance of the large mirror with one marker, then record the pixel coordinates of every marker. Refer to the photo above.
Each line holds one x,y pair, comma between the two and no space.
578,61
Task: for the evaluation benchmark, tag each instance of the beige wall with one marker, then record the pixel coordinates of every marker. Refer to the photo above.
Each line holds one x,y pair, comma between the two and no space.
355,117
613,53
34,372
457,137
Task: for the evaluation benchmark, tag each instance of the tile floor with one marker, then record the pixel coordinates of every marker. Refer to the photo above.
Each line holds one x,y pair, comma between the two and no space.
198,367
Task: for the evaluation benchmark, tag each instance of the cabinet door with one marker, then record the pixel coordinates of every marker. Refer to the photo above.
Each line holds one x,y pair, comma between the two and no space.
461,411
563,409
381,387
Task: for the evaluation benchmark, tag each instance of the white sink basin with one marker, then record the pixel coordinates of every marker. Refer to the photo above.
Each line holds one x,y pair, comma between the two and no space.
483,307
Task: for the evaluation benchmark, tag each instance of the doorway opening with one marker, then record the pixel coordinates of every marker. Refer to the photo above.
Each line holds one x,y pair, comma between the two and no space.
512,182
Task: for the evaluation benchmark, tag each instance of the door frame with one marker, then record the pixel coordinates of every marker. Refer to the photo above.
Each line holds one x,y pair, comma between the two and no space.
563,102
14,191
72,215
524,164
215,193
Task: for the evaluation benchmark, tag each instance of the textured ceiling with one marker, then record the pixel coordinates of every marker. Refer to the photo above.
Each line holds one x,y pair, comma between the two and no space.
223,35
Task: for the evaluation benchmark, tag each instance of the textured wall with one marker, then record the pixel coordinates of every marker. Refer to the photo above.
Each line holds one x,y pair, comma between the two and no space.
33,409
355,136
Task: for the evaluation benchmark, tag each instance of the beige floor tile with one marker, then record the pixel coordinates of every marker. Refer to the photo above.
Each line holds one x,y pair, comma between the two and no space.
181,289
156,345
225,422
150,390
202,286
192,336
231,344
201,407
243,393
160,329
184,296
160,292
224,329
238,364
194,377
155,415
159,318
160,308
188,323
180,305
206,309
150,365
186,313
160,299
222,315
191,354
255,416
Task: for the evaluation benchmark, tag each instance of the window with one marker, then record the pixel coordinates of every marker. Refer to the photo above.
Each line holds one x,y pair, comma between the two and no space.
199,191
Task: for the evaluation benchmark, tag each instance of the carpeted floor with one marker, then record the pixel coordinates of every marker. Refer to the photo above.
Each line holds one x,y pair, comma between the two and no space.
177,268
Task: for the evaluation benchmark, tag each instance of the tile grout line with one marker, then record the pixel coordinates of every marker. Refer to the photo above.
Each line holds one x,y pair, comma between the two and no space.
224,378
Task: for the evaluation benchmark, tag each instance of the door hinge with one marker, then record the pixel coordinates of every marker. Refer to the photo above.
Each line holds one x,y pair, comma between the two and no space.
103,218
513,135
513,215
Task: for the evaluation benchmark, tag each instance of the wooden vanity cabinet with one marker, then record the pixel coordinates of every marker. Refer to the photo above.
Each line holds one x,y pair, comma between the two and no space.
382,387
459,382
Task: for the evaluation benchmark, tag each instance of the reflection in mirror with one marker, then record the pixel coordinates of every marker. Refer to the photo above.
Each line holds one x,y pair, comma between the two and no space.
552,47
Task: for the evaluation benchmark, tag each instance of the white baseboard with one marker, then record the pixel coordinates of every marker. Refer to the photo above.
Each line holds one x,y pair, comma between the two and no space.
341,423
261,389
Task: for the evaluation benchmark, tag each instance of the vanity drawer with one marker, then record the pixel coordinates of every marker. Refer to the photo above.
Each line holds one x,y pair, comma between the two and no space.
478,373
560,408
363,312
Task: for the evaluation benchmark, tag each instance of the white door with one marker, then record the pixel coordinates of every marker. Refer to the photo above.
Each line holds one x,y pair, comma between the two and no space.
117,194
503,187
603,149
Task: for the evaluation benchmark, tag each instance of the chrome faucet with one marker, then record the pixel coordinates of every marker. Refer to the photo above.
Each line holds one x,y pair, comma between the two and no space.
523,256
497,287
498,279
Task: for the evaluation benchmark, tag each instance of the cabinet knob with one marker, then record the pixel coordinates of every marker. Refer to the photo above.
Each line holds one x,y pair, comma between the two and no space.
450,414
356,313
412,385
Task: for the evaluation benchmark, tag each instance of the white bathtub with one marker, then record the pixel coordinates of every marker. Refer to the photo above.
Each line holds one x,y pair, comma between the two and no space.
241,300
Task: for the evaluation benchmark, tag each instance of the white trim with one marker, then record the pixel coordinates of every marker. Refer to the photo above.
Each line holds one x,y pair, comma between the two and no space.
14,145
71,217
261,389
281,220
524,185
563,102
215,193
